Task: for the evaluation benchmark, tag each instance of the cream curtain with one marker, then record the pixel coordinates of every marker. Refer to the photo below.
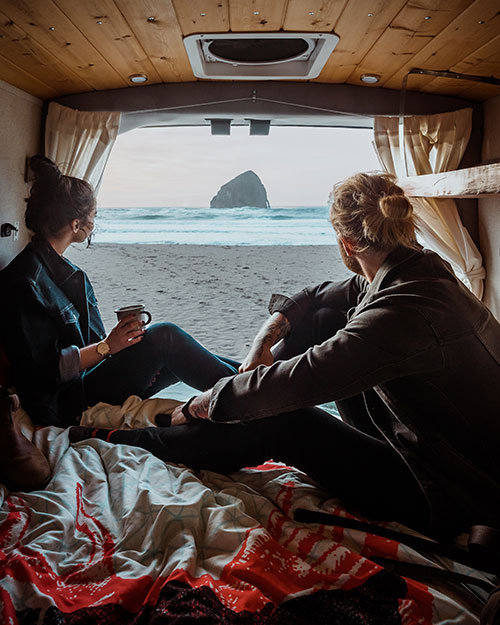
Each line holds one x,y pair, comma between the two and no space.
433,144
80,142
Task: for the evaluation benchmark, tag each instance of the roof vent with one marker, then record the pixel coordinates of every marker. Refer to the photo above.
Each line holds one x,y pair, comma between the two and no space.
259,56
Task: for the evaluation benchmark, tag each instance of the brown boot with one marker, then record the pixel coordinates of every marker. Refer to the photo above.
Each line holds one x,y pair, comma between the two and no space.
23,467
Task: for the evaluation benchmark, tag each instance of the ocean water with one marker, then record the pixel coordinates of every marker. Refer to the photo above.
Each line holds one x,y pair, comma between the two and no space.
297,225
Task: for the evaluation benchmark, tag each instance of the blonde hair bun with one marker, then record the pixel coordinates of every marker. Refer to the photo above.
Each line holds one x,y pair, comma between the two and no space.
395,207
372,211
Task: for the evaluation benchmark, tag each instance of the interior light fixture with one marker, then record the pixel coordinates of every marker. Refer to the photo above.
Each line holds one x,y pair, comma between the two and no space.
370,79
137,79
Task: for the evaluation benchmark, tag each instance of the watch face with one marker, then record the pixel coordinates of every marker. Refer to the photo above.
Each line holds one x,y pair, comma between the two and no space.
103,348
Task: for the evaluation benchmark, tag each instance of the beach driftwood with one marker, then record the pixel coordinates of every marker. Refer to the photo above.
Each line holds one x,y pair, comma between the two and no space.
480,181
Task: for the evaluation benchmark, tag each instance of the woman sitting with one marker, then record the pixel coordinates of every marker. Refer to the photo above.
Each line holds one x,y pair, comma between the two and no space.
62,359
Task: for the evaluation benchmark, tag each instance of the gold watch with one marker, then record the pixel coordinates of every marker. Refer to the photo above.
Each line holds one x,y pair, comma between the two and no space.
103,349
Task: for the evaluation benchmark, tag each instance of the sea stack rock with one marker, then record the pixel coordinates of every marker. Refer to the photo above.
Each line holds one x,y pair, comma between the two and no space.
244,190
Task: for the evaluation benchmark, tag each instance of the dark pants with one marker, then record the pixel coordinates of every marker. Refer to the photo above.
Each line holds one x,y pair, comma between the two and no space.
165,355
361,469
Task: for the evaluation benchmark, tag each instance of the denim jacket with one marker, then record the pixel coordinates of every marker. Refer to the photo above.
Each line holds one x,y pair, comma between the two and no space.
424,353
49,312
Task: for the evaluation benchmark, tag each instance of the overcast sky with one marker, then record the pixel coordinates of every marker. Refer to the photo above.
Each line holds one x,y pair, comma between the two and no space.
187,166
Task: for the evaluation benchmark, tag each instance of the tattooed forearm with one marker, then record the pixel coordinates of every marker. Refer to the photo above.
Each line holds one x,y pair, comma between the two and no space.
273,330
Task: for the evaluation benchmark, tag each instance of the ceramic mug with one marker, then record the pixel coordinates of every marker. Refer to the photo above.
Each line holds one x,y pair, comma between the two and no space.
137,311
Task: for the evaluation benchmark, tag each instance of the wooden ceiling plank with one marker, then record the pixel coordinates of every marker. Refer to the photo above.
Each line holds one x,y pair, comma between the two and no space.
160,37
256,15
479,181
451,87
359,27
480,92
16,76
462,88
101,22
313,16
202,16
410,31
50,28
485,61
34,59
470,30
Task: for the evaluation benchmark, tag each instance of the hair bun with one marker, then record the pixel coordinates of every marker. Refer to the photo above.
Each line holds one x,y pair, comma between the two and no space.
396,207
43,167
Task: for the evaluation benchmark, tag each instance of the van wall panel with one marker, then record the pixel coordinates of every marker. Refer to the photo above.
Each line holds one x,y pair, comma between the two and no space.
489,209
20,126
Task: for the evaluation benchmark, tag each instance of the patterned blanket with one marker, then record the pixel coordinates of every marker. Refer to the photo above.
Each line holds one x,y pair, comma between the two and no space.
120,537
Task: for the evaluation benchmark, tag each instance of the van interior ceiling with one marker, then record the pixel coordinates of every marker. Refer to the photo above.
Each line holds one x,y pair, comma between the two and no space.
108,541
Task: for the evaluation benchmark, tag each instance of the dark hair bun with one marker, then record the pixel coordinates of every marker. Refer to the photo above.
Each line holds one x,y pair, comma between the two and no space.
43,167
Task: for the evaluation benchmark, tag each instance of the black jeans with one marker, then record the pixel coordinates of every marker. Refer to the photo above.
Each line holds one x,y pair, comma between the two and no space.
165,355
364,471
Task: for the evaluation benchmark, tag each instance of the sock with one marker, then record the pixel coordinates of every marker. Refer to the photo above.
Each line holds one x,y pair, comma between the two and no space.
79,433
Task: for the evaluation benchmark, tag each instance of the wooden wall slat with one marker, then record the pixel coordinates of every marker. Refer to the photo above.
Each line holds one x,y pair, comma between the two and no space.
270,15
113,38
479,181
17,77
17,45
314,15
65,42
161,39
459,39
191,18
358,32
406,35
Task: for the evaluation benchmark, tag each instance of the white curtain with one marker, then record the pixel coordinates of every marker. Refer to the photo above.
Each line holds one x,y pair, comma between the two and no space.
433,144
80,142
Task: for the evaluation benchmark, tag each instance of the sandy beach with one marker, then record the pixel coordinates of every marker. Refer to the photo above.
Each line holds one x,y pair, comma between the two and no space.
217,293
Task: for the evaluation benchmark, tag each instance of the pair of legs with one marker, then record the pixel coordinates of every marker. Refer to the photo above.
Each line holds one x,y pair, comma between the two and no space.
363,470
165,355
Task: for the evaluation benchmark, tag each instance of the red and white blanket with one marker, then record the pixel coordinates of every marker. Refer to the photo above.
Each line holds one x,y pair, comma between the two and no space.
120,537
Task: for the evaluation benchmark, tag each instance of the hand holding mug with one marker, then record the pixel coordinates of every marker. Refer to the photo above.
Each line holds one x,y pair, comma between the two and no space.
128,331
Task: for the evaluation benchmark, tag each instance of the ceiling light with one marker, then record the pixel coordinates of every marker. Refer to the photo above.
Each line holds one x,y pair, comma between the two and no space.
370,79
137,79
